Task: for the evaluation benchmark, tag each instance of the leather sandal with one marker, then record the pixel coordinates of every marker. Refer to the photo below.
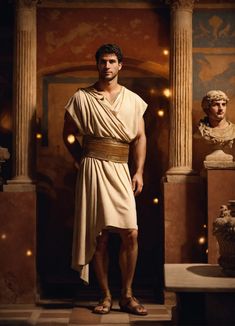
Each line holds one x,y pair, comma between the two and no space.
132,306
103,307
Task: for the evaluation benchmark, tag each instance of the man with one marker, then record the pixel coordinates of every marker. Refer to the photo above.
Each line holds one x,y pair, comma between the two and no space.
215,128
109,117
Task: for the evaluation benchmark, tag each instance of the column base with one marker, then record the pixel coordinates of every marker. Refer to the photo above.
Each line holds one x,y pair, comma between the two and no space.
183,170
180,174
19,184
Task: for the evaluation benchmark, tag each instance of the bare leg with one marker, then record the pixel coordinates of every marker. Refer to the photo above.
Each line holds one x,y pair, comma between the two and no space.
100,261
127,260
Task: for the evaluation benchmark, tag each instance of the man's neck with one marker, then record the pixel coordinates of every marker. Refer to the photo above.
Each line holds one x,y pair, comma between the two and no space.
108,86
221,124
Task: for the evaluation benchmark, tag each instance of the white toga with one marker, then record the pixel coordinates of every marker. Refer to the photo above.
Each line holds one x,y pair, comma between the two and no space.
104,195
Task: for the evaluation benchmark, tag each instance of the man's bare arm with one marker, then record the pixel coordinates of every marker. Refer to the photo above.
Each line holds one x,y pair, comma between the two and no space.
139,154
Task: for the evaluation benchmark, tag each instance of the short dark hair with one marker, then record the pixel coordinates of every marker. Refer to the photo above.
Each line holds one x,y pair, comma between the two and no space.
109,49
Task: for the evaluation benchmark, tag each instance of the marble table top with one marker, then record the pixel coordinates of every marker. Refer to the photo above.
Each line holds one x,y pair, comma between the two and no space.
197,278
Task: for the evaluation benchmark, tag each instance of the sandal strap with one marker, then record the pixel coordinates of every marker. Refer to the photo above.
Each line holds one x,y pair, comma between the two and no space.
105,305
127,301
126,304
106,299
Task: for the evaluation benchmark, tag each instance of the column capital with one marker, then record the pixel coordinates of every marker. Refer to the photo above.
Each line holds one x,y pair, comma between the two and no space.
26,3
181,4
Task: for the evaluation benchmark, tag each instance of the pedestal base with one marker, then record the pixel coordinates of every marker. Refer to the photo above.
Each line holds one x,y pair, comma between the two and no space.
184,215
204,295
18,247
220,189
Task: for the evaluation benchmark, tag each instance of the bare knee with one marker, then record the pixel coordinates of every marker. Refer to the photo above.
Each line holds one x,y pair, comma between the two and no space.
102,242
129,238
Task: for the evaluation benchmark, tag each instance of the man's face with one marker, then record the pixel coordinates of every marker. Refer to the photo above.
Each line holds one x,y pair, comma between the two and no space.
217,110
108,67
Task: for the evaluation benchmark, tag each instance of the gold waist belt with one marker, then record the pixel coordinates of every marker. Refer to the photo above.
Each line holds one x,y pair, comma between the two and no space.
106,149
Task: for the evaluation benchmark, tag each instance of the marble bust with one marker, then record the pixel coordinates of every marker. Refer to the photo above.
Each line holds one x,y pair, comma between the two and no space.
214,128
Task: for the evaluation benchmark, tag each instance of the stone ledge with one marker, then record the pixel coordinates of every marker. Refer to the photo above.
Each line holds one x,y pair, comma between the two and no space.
197,278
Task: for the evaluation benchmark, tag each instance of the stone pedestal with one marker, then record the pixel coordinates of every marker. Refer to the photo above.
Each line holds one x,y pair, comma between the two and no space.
204,295
218,159
18,247
184,215
220,189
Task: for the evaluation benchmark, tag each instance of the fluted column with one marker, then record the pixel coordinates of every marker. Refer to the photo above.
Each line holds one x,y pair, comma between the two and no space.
180,148
24,97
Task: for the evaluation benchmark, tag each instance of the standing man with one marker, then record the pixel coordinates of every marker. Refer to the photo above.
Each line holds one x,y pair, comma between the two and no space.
109,117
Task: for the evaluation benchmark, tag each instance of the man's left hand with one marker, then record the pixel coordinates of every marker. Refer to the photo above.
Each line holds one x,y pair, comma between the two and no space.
137,183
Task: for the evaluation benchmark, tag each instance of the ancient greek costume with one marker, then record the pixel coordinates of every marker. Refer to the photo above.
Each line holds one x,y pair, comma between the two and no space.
104,196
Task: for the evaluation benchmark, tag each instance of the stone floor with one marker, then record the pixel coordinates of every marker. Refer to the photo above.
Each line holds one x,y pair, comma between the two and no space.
80,314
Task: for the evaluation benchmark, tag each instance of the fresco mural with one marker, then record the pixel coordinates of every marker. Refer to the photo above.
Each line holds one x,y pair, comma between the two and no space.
70,36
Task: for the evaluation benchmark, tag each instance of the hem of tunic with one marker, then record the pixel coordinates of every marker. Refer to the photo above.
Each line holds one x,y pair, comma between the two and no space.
116,228
83,271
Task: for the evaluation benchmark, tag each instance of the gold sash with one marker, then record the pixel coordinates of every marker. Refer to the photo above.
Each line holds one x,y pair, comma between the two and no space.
107,149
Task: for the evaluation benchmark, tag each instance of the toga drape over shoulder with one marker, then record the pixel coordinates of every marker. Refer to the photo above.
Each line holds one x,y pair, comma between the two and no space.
104,195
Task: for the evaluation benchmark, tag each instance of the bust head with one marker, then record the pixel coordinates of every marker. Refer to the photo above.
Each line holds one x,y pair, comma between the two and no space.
215,128
214,104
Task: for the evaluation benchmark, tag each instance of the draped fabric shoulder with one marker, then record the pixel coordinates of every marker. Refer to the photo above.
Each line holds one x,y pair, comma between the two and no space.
104,196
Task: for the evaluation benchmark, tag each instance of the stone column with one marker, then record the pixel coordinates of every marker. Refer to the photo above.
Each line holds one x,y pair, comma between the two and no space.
180,151
24,96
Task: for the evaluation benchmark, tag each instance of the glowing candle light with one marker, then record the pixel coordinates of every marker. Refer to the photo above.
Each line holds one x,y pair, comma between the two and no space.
201,240
160,113
71,139
165,52
155,201
166,92
3,236
38,135
152,91
29,253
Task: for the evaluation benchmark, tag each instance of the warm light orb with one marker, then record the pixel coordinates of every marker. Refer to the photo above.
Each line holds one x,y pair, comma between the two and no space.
3,236
204,226
166,92
160,113
71,139
155,201
29,253
38,135
165,52
201,240
152,91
